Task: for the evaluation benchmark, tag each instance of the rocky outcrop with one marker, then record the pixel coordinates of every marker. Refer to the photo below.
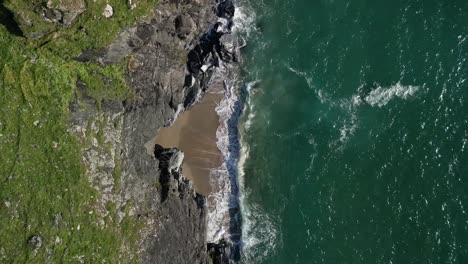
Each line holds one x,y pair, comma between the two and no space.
220,253
180,237
171,61
36,19
63,11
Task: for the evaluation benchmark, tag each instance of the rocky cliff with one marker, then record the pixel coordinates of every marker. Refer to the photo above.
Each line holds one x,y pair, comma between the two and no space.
168,60
165,72
174,222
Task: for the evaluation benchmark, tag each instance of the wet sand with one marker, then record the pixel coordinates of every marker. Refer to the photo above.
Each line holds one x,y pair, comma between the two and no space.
194,132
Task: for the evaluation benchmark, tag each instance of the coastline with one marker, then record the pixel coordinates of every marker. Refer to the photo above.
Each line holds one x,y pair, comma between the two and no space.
194,133
206,132
116,92
107,83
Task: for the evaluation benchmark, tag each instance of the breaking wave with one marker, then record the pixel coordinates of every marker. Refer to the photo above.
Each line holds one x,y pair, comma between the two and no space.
223,202
229,196
260,234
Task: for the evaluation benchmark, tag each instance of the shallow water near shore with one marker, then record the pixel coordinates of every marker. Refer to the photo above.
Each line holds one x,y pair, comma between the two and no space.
355,132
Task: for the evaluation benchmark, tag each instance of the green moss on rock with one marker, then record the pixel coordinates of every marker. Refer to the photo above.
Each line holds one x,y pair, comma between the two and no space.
44,193
81,21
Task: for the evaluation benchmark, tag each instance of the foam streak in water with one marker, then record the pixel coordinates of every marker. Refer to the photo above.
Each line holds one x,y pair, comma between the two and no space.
382,95
260,236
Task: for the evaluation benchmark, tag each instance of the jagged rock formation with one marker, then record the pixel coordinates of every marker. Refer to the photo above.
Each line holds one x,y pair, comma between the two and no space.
160,198
172,59
40,17
220,252
156,69
63,11
181,238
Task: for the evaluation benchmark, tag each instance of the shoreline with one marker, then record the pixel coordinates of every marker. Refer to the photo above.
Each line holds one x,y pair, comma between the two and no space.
206,131
194,133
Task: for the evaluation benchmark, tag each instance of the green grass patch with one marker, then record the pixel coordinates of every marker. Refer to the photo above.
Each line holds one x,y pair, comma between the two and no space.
43,187
90,30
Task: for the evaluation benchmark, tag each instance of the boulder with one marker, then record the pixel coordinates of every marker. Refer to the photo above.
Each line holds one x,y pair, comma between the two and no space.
183,25
108,11
35,243
36,19
64,11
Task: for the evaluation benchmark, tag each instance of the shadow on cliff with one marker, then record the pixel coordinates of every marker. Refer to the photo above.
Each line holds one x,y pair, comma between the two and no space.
7,19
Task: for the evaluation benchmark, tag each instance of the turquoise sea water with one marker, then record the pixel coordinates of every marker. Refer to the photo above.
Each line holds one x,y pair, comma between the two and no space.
355,134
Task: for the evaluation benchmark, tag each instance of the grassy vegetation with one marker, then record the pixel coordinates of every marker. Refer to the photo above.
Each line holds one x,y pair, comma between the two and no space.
43,187
90,30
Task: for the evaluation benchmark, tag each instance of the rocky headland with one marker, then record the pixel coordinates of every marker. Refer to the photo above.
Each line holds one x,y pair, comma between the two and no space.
122,93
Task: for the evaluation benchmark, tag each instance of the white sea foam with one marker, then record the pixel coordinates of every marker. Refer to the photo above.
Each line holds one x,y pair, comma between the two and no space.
224,195
244,20
382,95
379,97
249,104
349,127
259,231
224,180
220,199
260,234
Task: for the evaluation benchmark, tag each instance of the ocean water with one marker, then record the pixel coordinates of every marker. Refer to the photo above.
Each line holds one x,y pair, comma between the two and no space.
354,134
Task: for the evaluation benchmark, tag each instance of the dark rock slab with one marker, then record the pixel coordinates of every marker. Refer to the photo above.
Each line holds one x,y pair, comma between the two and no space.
180,236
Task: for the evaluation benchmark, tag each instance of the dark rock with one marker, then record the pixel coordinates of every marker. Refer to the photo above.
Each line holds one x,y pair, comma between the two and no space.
7,19
36,19
219,252
225,8
183,25
181,238
35,242
64,11
169,167
144,31
54,15
172,62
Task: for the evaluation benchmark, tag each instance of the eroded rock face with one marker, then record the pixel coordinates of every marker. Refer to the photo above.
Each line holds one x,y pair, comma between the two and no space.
183,25
64,11
170,161
172,60
35,19
158,74
220,253
180,236
174,215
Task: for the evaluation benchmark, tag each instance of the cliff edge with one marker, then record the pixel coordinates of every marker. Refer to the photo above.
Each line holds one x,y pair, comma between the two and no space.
92,83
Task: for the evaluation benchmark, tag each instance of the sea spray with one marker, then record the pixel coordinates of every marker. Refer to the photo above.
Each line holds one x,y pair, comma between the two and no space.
355,151
224,221
259,231
229,197
223,202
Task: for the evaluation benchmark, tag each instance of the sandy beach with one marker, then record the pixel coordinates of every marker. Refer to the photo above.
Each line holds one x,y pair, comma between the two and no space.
194,132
